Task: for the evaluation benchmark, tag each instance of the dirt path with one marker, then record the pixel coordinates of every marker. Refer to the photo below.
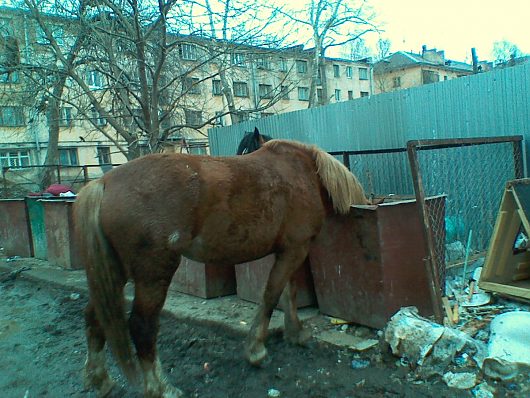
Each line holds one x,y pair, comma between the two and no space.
42,351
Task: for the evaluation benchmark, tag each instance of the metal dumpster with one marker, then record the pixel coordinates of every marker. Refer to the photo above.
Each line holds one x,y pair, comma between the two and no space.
15,234
61,245
369,263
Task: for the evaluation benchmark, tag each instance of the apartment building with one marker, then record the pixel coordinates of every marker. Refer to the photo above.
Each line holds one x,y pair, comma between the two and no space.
402,70
262,82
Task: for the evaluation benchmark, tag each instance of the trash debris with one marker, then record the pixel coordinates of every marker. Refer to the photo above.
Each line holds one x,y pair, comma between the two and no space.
483,390
12,275
360,363
462,381
508,349
347,340
75,296
429,345
12,258
273,393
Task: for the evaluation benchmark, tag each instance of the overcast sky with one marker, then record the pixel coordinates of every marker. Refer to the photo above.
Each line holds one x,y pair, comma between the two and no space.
454,25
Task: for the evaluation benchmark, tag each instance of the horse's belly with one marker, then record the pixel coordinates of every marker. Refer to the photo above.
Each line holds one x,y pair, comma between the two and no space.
231,248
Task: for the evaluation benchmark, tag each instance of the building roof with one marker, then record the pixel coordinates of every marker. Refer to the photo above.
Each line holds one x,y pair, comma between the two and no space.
403,59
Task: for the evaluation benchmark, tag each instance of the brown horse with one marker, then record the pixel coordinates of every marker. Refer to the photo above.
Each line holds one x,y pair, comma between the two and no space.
136,221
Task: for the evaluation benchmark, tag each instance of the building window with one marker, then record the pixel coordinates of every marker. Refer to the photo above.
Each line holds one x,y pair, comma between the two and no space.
285,92
14,159
103,154
219,119
336,71
242,116
68,157
193,117
11,116
283,67
94,79
349,72
446,77
263,63
240,89
350,94
301,66
430,76
265,91
97,119
57,33
65,117
303,93
337,95
320,97
363,73
396,82
238,59
188,51
365,94
216,87
190,85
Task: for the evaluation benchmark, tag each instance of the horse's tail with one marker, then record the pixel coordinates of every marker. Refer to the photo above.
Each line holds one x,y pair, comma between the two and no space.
105,275
343,187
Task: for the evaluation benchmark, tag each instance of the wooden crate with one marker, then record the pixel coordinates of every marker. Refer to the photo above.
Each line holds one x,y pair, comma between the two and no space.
507,268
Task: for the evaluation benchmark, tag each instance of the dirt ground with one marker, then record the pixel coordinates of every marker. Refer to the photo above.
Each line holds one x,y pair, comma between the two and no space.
42,352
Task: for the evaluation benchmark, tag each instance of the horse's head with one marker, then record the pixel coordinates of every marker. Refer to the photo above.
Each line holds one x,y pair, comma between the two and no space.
252,142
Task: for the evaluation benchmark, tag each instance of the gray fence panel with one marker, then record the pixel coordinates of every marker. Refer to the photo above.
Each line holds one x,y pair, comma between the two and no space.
488,104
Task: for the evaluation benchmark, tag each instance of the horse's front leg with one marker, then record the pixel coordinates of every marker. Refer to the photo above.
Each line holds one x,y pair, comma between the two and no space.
286,263
294,332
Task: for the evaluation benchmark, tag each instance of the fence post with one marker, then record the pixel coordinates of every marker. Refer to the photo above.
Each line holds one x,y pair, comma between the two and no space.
432,273
58,173
346,160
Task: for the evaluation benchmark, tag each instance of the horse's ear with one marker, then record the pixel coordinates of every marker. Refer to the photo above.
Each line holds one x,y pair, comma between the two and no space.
256,133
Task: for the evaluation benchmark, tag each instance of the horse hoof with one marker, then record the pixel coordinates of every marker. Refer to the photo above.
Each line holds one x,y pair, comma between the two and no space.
172,392
103,385
300,337
257,357
168,392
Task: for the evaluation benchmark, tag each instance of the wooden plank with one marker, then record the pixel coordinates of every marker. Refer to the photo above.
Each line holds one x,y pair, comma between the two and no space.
516,291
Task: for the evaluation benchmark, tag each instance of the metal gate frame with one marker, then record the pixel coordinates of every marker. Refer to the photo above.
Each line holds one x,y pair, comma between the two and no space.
413,147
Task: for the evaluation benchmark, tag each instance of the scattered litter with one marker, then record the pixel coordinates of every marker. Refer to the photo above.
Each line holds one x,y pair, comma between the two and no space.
508,349
12,258
477,299
75,296
273,392
427,344
347,340
462,381
483,390
360,363
12,275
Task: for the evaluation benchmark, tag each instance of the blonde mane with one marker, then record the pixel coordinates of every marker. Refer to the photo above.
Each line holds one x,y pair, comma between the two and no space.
343,187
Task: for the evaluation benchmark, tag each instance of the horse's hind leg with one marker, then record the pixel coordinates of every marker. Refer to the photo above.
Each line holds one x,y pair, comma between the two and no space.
286,263
95,373
149,297
294,331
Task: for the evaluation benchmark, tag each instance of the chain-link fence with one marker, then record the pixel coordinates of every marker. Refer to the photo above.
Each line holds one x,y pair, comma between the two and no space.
471,173
21,181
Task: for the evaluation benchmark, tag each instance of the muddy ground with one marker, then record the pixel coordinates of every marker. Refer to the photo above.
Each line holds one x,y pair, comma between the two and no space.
42,351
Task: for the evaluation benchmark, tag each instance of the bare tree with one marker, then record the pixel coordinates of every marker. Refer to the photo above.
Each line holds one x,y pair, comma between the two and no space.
331,23
383,48
139,66
504,51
